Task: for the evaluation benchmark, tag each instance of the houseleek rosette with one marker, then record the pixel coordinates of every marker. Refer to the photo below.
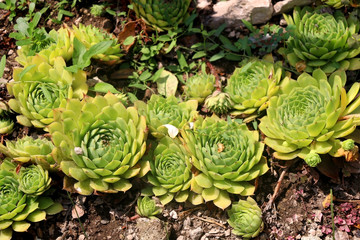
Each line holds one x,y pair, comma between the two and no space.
41,87
90,35
28,149
160,111
6,124
323,40
341,3
61,46
309,115
245,218
98,142
17,209
251,86
170,172
34,180
218,102
162,14
227,156
199,86
146,207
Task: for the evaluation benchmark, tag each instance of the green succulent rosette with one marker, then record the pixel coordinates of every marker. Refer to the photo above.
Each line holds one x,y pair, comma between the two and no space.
199,86
227,156
98,143
61,45
41,87
17,209
34,180
170,171
310,115
90,35
323,40
245,218
218,102
162,14
251,86
147,207
160,111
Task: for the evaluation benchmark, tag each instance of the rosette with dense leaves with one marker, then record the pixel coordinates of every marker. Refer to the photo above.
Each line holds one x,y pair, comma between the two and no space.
98,143
34,180
6,123
323,40
162,14
61,46
218,102
160,111
251,86
309,115
341,3
41,87
17,209
28,149
147,207
245,218
199,86
170,172
90,35
227,156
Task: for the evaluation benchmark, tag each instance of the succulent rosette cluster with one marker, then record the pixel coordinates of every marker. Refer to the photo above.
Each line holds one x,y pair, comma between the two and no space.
162,14
245,218
90,35
28,149
98,143
251,86
161,112
341,3
41,87
6,123
170,171
199,86
61,45
18,208
323,40
309,116
227,156
147,207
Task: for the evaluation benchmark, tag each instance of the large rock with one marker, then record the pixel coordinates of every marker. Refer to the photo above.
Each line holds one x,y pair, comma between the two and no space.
286,5
231,12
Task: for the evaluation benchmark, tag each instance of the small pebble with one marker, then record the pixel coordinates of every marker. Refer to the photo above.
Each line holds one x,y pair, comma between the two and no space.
173,214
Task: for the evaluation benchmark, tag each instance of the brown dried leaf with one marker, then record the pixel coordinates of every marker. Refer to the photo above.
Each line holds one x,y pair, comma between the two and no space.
300,66
129,30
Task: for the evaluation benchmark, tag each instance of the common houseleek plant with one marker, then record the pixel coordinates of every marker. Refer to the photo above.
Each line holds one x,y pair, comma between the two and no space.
17,208
98,144
245,218
199,86
160,111
323,40
251,86
147,207
41,87
227,156
170,173
161,14
309,116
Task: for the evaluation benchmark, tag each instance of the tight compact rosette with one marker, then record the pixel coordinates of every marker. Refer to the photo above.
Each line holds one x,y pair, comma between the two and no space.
170,171
98,143
309,116
227,156
251,86
199,86
323,40
161,112
41,87
162,14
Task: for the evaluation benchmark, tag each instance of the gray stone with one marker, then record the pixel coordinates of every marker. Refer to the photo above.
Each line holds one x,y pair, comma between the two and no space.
286,5
233,11
195,234
151,229
201,4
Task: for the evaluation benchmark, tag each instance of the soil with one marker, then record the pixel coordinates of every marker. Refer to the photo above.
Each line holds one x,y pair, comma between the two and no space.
300,210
